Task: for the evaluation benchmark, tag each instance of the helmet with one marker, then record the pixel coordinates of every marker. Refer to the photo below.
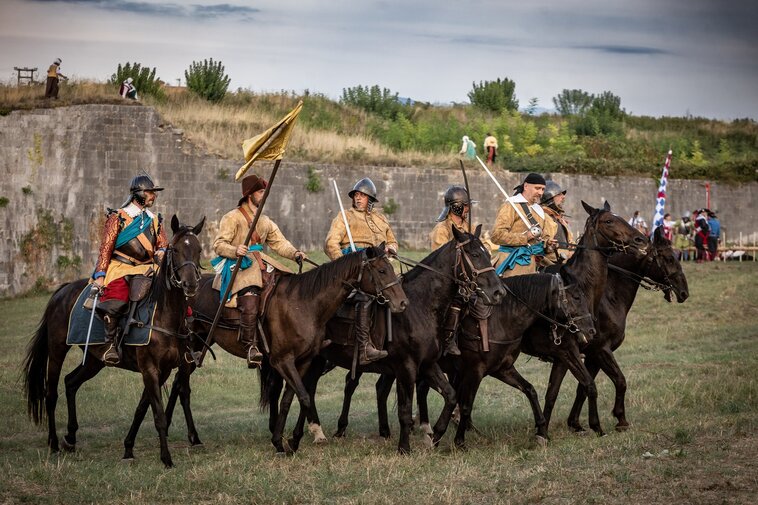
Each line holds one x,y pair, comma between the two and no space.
455,198
365,186
139,185
552,189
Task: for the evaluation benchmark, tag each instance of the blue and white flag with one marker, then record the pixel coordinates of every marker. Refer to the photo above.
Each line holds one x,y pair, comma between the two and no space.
660,201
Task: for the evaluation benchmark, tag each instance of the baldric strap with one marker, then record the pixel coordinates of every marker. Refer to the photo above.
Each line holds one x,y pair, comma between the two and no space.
256,239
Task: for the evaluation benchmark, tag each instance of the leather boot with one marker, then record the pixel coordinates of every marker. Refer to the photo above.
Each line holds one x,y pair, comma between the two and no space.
366,350
112,311
248,305
451,325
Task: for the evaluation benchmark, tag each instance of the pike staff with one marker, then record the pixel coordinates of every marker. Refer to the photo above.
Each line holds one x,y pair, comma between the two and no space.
344,216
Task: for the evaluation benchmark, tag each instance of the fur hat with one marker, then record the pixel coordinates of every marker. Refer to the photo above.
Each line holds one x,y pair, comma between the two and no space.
250,185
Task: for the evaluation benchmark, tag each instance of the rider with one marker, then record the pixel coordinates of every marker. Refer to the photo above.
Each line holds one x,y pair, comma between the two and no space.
521,244
369,228
133,240
229,245
455,214
552,204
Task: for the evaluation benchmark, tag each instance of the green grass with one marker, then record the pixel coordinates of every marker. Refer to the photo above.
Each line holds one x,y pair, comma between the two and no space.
691,371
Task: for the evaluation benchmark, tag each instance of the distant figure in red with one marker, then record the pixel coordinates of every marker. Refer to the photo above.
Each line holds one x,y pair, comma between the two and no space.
490,145
701,235
668,227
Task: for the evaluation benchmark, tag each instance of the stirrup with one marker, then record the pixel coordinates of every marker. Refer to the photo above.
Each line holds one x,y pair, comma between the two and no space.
111,356
452,349
377,354
254,357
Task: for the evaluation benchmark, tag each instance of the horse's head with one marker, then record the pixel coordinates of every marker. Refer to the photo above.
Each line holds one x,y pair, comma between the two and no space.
610,232
473,268
182,261
573,307
378,279
662,267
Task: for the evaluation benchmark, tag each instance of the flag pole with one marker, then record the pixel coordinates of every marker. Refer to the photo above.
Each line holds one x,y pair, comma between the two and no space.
507,198
258,212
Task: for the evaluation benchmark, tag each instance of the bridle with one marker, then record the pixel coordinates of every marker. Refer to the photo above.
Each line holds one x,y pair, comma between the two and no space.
644,280
366,264
615,245
172,277
465,280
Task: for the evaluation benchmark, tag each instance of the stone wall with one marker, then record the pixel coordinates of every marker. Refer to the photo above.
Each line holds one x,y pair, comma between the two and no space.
62,167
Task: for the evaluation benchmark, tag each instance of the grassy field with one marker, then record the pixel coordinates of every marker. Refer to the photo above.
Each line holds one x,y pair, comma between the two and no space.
692,401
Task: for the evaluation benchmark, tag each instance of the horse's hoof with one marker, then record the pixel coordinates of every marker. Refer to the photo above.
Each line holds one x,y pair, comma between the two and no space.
128,460
427,441
67,446
461,446
622,427
197,445
541,441
318,434
425,428
579,431
339,434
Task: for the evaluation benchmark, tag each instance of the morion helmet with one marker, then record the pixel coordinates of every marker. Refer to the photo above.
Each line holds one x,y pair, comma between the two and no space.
365,186
552,189
139,185
455,199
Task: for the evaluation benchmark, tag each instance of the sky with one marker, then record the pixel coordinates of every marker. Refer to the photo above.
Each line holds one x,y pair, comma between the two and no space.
662,57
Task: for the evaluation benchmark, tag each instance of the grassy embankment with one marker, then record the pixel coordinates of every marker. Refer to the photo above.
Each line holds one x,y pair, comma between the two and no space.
429,135
691,371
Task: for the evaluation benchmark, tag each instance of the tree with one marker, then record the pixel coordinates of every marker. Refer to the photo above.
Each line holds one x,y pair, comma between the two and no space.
609,105
375,100
207,79
143,79
572,102
532,108
495,96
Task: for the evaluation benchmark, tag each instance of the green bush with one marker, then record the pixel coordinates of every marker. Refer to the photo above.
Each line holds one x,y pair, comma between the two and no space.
4,202
143,79
495,96
375,100
313,184
207,79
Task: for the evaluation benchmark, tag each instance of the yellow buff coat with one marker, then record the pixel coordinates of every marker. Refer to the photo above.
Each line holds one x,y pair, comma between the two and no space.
368,229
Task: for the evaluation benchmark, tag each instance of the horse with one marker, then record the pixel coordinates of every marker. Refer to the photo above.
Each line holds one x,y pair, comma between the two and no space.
626,273
583,279
293,325
415,346
176,282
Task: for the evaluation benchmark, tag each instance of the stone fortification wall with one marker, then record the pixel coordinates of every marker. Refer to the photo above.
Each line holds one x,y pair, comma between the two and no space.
62,167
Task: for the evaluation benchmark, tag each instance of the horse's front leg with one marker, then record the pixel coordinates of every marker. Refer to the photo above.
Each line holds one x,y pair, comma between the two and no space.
182,383
74,381
574,363
422,395
610,366
281,421
557,373
314,424
139,416
469,379
350,386
152,382
406,380
511,377
437,380
383,389
293,376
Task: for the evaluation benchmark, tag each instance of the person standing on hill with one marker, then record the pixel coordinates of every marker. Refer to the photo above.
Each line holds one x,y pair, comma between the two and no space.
490,145
683,237
53,76
714,235
701,235
468,148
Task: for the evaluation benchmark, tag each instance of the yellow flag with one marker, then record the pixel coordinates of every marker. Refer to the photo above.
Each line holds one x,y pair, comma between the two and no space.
271,144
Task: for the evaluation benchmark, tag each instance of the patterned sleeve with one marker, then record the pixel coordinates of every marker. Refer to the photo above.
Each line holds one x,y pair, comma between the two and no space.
110,232
161,242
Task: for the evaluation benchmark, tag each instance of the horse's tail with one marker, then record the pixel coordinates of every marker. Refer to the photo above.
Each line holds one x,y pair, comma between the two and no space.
35,365
266,374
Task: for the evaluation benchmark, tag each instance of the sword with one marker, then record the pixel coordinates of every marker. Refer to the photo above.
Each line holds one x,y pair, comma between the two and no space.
91,319
344,216
529,225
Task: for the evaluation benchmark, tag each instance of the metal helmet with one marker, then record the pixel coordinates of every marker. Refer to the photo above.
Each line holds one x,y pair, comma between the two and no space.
365,186
455,198
552,189
139,185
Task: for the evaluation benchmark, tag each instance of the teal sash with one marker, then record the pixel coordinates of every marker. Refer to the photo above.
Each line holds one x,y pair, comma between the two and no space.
138,225
224,267
519,256
347,250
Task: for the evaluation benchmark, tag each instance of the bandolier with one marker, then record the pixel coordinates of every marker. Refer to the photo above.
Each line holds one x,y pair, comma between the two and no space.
369,228
552,204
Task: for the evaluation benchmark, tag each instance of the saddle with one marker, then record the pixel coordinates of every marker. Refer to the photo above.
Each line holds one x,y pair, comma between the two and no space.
341,328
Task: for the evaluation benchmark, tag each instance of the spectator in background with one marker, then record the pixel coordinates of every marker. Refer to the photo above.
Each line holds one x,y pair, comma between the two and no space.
638,222
683,238
468,149
490,145
127,89
668,227
701,235
714,235
53,76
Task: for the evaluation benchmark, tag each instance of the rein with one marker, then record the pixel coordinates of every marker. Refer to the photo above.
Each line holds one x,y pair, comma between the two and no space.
644,281
379,296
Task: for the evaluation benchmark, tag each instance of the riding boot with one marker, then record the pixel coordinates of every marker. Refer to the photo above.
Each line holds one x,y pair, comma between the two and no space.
366,350
112,311
248,305
451,324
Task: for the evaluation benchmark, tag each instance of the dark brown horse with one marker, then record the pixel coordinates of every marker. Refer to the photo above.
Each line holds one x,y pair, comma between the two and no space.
463,264
176,281
661,270
584,278
294,326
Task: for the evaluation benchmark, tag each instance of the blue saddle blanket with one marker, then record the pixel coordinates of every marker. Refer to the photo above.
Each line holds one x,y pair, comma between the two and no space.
78,322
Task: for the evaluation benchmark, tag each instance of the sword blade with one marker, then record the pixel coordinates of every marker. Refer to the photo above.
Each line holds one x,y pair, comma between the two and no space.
89,329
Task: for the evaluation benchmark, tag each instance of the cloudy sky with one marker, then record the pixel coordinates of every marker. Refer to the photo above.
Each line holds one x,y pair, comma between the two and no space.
662,57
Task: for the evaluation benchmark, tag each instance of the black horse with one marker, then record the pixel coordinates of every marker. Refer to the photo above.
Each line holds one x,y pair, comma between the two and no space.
626,273
461,265
176,281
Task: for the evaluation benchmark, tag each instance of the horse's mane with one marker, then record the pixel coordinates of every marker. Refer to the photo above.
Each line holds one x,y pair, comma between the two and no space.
533,289
417,270
159,288
314,281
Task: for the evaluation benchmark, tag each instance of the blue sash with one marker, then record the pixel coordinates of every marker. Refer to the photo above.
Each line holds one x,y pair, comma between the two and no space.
519,256
138,225
224,267
347,250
